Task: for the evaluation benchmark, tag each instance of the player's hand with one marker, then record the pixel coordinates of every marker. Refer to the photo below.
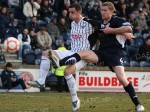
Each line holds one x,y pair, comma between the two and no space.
128,35
107,30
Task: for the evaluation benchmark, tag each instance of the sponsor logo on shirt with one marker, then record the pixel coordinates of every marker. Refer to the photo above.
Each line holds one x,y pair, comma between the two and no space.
76,36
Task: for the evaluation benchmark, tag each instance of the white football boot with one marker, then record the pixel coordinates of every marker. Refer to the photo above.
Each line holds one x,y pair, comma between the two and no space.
76,105
34,84
54,59
139,108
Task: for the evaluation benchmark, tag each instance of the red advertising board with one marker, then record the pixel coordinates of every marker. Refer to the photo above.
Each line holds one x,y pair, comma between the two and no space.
106,81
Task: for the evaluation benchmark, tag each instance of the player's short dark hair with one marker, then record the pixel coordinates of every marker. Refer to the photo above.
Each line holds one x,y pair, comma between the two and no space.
76,6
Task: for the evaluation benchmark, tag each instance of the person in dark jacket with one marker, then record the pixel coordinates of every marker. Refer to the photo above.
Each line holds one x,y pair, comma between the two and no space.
9,78
4,18
95,13
144,51
46,11
64,29
4,21
33,36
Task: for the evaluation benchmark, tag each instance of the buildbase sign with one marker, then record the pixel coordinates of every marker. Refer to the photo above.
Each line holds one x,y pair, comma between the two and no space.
106,81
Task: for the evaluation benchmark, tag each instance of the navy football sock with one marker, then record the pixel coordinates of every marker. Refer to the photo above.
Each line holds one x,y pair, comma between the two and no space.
70,59
130,90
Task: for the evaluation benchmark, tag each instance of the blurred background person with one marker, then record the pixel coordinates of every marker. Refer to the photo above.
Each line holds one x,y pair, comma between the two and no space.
64,29
4,21
64,15
95,13
46,11
44,40
144,3
13,29
53,31
95,2
9,78
30,9
33,24
141,21
24,40
33,37
124,11
144,50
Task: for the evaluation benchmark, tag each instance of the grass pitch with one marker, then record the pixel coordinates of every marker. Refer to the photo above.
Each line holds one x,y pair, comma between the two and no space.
61,102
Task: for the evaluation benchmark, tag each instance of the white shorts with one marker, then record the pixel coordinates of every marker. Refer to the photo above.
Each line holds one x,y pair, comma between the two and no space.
64,53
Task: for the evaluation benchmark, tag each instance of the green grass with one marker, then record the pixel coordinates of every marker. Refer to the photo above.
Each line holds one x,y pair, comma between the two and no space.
61,102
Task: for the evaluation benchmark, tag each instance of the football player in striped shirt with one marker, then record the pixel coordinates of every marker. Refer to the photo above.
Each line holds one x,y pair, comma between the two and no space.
83,37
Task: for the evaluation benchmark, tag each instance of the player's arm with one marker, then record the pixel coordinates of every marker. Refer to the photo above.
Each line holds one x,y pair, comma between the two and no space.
120,30
121,27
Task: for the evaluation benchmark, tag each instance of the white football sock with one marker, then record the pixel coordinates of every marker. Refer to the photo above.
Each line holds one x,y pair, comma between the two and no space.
72,86
44,69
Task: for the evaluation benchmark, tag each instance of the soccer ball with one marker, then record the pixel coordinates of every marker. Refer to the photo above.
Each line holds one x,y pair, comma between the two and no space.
11,45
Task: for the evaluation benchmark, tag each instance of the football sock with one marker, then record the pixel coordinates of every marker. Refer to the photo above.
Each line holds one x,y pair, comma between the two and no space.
44,69
130,90
70,60
72,86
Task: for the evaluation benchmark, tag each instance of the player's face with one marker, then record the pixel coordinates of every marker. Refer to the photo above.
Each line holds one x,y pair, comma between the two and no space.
73,14
106,12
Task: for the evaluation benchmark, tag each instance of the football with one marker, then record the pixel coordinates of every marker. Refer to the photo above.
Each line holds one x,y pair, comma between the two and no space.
11,45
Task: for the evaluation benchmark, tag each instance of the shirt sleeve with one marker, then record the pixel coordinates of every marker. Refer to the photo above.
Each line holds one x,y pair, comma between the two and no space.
121,22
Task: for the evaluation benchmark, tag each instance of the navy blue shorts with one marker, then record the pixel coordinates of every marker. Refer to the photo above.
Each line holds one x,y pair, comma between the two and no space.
111,58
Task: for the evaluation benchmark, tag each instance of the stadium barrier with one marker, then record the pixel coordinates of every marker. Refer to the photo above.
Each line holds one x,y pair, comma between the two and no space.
27,75
94,80
106,81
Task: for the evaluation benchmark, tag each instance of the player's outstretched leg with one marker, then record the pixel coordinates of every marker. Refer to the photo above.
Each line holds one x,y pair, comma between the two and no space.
81,55
72,87
69,60
44,69
119,70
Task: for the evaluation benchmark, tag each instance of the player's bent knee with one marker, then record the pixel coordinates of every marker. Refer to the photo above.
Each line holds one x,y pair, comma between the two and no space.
66,72
69,70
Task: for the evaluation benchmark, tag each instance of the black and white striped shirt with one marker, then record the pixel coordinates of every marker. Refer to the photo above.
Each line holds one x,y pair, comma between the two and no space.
81,34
